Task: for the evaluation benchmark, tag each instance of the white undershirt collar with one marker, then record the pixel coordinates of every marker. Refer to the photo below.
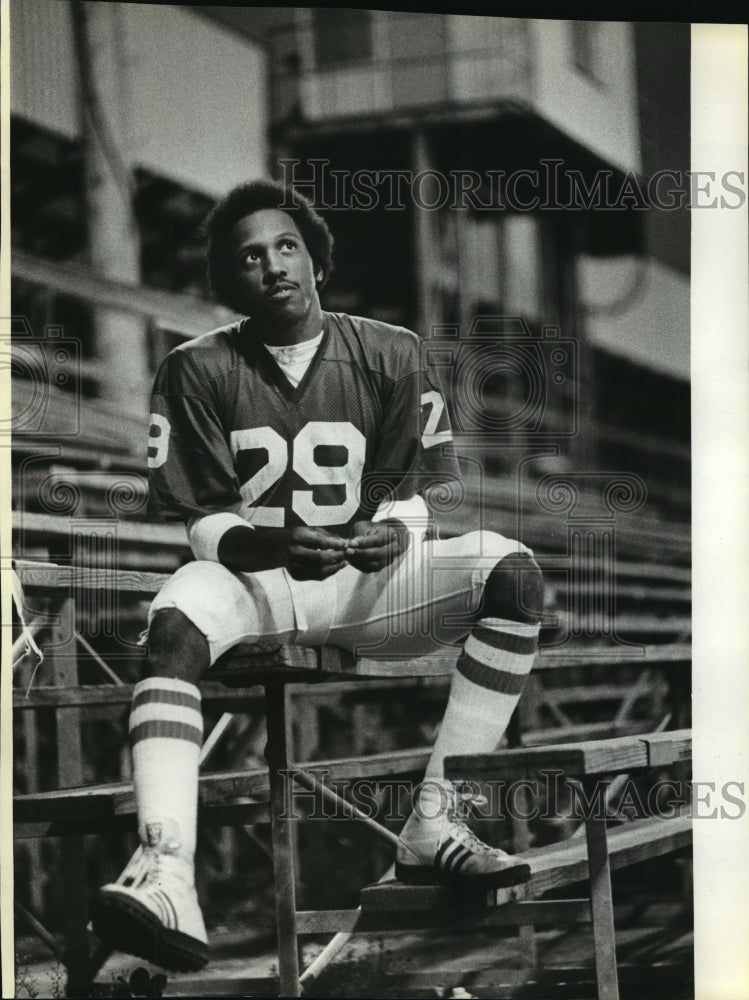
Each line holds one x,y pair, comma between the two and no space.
295,359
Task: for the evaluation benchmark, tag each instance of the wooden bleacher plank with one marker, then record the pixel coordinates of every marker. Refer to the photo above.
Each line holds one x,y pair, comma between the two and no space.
551,658
238,813
645,569
637,536
621,754
171,535
519,502
629,844
161,533
436,664
45,574
217,788
215,692
552,867
121,695
50,576
654,624
585,731
575,693
547,659
81,451
668,747
675,593
539,913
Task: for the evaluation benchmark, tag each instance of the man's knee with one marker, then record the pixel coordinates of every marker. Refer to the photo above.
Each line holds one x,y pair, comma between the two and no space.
176,647
514,590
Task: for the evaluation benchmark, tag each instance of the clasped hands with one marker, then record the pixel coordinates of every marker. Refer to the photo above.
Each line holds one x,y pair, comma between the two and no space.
315,554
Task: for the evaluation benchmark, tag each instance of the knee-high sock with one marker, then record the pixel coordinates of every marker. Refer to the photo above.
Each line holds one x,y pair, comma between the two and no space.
166,733
488,681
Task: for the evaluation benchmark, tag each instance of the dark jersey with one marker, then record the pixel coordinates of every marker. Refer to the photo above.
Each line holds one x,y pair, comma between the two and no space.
229,432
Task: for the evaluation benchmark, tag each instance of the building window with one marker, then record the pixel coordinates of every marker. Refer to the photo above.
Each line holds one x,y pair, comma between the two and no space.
341,36
47,193
172,254
585,44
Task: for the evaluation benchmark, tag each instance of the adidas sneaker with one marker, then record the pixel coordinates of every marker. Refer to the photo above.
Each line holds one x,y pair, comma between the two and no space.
152,911
437,847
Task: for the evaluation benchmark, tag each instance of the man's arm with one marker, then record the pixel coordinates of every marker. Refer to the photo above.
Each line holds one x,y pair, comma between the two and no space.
307,553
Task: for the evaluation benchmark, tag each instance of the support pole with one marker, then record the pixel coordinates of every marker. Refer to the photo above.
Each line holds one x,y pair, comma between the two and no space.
113,238
603,908
62,654
425,244
283,840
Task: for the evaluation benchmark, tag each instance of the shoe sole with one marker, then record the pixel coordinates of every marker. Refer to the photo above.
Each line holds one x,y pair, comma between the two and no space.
428,875
126,925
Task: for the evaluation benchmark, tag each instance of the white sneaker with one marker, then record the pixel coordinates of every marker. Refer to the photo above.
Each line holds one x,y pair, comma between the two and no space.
152,911
437,847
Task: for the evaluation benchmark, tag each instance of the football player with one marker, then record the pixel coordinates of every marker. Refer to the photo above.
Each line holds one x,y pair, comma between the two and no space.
303,449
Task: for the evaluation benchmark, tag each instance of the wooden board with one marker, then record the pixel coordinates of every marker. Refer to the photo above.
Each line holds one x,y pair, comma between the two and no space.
548,659
50,576
219,788
619,755
552,867
121,695
138,532
536,912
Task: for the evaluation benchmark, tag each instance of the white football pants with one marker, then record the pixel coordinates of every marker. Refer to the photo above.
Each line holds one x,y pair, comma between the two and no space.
423,601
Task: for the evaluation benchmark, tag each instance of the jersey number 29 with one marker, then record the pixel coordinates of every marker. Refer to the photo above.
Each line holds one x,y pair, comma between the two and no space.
316,433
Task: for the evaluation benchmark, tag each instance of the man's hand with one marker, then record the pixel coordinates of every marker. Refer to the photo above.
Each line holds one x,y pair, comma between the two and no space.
313,553
307,553
372,546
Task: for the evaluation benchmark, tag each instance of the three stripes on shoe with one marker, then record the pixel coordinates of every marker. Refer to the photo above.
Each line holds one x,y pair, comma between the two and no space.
166,909
451,856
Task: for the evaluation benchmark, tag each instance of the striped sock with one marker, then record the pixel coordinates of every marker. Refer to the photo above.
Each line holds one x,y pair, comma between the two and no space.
487,683
166,733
